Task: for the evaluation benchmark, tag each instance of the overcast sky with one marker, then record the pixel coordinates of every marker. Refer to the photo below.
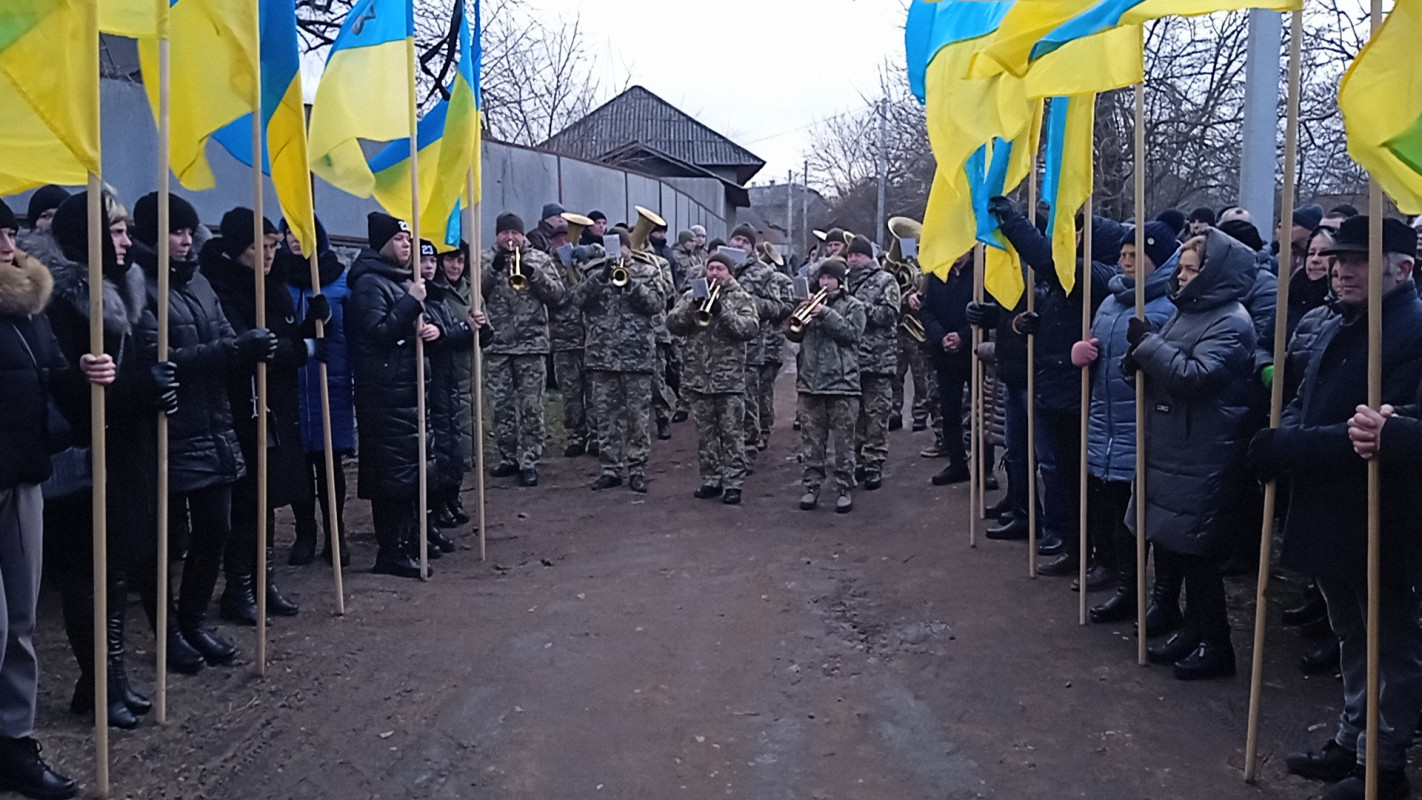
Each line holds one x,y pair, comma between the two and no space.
760,72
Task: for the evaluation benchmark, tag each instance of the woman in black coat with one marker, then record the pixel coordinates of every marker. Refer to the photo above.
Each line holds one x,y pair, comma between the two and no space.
229,262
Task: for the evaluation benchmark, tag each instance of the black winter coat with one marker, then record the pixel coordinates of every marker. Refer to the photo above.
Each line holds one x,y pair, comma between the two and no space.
286,455
1325,532
380,327
448,356
945,305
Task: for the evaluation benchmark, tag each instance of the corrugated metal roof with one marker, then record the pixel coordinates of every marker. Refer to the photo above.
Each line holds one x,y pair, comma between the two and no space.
639,116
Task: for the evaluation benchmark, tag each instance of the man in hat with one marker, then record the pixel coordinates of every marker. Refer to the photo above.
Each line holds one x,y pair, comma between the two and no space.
1326,529
593,234
689,264
699,242
565,328
515,364
1306,218
757,278
1201,220
878,292
541,238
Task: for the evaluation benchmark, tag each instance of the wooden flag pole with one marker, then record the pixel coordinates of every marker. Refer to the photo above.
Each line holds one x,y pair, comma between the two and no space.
333,519
419,343
975,403
259,279
98,228
160,636
476,298
1276,406
1031,291
1140,387
1375,311
1084,284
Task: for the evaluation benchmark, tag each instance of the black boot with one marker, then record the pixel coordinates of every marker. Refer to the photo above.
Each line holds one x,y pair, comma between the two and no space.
1163,613
277,603
393,557
345,551
24,771
1313,607
135,702
1180,644
303,550
239,597
78,607
456,510
215,650
182,658
1209,660
1119,607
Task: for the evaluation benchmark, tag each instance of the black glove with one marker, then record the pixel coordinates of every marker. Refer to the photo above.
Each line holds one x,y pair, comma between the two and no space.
318,349
486,336
165,384
258,344
1028,323
1262,458
1129,367
1001,207
983,315
319,308
1136,331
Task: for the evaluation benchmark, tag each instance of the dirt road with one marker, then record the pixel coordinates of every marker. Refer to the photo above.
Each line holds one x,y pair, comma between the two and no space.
622,646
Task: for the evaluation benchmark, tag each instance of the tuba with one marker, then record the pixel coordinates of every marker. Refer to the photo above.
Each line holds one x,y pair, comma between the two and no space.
642,231
906,271
517,280
577,223
770,254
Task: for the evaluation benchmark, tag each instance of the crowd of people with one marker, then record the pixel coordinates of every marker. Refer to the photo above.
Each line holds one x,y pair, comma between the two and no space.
641,334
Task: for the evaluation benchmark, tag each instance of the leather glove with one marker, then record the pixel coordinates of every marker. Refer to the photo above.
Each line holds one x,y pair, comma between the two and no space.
1262,458
319,308
1129,367
1001,207
258,344
1028,323
318,349
165,383
983,315
486,336
1136,331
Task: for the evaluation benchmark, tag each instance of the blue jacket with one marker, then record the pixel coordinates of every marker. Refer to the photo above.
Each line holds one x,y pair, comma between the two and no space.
296,271
1111,441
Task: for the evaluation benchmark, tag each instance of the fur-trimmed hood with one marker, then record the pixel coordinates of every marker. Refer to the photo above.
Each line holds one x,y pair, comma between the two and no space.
25,288
124,299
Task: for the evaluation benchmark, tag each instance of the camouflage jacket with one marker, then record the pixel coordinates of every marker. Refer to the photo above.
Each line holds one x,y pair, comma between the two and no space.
667,286
618,322
519,320
879,292
565,322
714,357
775,339
829,348
757,278
688,266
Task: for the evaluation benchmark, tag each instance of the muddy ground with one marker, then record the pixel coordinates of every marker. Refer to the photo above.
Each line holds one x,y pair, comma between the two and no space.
625,646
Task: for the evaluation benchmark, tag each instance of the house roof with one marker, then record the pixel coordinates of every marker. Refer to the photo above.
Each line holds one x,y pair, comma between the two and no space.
637,116
640,157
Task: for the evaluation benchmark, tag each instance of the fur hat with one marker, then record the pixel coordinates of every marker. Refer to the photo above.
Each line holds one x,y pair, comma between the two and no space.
381,228
181,216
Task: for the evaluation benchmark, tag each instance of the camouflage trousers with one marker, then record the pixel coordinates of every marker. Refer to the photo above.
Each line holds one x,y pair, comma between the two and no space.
568,372
682,400
766,411
663,398
827,423
517,384
621,410
751,435
914,363
871,432
720,454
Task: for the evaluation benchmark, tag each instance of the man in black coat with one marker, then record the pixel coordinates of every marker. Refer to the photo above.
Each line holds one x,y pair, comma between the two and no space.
383,317
1325,532
949,341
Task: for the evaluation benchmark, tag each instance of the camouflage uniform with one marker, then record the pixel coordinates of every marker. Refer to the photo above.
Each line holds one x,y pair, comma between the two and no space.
689,265
515,368
663,398
620,355
565,325
774,358
828,383
878,351
758,279
913,362
714,380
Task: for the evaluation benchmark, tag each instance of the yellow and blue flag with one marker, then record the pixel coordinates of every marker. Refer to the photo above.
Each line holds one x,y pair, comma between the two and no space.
49,90
214,80
1067,176
448,139
283,121
1381,101
364,93
132,18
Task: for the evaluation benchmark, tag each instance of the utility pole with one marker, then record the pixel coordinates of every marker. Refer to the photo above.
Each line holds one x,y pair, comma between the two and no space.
1258,160
789,214
805,205
883,169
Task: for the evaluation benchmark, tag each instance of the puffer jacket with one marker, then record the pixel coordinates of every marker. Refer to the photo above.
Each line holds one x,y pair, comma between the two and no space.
1111,444
879,293
380,326
620,337
1305,295
714,357
1262,302
286,456
295,271
757,278
519,319
829,348
202,443
457,297
1198,372
447,355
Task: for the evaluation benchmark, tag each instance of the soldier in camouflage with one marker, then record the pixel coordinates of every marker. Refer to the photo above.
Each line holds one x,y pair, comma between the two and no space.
689,264
757,278
714,381
913,365
664,397
878,291
565,327
619,356
515,367
784,287
828,383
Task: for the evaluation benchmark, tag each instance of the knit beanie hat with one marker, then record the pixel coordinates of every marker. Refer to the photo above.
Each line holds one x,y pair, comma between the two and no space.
44,199
238,231
508,221
1172,217
70,229
1160,242
427,248
722,258
381,228
551,210
7,218
745,230
181,216
698,230
685,237
1243,232
1308,216
596,216
834,266
1203,214
862,246
836,235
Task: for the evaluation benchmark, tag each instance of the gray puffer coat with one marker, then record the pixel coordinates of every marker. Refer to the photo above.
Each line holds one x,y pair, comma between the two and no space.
1198,403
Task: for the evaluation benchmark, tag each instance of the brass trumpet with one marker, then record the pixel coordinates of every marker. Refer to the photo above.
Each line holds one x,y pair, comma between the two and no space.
704,316
620,276
517,280
801,316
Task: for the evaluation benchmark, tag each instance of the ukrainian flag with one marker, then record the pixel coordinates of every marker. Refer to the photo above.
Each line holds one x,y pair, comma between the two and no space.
132,18
1381,101
448,139
49,90
215,62
364,93
1068,175
283,121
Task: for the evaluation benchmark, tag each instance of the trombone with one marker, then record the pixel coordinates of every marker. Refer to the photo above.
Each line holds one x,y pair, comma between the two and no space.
517,280
703,315
801,316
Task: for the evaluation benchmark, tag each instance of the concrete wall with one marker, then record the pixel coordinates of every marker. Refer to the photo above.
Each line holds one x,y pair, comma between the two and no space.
514,179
